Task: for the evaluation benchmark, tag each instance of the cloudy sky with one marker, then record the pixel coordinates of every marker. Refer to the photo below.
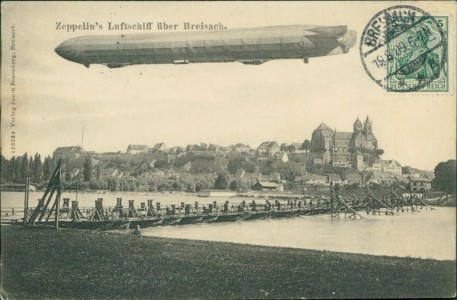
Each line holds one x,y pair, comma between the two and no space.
222,103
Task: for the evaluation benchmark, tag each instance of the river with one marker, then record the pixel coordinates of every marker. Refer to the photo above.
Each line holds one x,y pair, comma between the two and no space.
426,234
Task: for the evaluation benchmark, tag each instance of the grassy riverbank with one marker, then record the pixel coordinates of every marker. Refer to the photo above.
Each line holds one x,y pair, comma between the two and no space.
45,263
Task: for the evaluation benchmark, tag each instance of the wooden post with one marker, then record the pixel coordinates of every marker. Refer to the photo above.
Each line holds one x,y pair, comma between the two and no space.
59,192
187,209
332,211
26,200
119,204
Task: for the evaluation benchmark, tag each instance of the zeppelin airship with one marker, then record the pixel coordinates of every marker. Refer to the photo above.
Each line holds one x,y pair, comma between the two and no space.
249,46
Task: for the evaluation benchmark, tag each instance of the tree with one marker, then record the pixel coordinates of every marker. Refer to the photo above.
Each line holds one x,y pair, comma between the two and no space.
445,176
406,170
379,153
37,168
47,167
67,175
98,172
306,145
222,182
30,167
161,164
12,168
5,169
24,167
87,169
233,185
240,162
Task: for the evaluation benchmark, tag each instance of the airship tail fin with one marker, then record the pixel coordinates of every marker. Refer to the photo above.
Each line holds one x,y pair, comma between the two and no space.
348,40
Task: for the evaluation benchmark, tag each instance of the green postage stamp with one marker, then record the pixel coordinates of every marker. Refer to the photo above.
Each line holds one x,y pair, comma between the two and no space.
427,68
405,49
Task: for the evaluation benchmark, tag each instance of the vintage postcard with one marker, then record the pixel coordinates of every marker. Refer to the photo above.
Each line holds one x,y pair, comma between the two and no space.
228,150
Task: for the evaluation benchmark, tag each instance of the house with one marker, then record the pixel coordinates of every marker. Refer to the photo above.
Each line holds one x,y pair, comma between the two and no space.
353,179
391,166
341,161
268,148
201,153
419,184
247,179
157,174
241,148
274,177
160,147
298,179
239,173
137,149
402,179
381,178
267,186
109,172
264,177
334,178
282,156
311,179
376,166
317,161
251,176
218,148
386,166
74,173
177,150
71,152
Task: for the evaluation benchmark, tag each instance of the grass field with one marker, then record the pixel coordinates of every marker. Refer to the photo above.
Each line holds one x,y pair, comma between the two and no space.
45,263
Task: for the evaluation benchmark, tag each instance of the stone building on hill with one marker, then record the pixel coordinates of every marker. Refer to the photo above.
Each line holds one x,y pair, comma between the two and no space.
387,166
268,148
137,149
343,145
72,152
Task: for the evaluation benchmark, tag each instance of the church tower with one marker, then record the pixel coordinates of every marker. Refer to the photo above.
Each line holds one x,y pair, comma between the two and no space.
358,126
368,127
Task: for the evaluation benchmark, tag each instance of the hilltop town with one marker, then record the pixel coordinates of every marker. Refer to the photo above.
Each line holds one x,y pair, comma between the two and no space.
344,158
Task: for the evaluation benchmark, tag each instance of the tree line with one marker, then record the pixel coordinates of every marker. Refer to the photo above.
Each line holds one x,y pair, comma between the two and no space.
18,169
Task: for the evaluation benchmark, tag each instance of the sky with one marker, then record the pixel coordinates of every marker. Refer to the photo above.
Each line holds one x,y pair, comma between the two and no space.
221,103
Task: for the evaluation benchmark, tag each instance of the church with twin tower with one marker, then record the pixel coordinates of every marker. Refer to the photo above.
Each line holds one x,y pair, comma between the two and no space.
333,143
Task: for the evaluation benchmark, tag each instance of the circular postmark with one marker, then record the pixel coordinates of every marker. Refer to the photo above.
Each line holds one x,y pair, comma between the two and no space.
403,48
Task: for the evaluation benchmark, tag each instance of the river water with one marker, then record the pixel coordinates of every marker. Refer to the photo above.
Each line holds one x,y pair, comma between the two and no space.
426,234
